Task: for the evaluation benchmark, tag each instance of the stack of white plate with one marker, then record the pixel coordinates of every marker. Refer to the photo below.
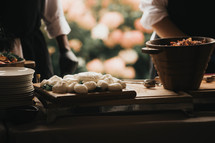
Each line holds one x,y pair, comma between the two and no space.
16,87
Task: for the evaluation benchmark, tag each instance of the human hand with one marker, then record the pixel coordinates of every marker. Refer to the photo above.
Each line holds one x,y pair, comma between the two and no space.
68,62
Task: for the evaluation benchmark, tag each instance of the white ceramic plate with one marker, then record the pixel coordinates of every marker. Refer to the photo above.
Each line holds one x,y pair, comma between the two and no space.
19,91
15,71
15,84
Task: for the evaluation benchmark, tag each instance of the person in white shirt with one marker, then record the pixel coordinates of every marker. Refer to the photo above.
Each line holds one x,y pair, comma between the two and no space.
176,18
22,20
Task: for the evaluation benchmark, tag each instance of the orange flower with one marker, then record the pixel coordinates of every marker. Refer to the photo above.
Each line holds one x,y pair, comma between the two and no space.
95,65
86,21
112,19
114,38
128,73
114,66
90,3
132,38
76,10
129,56
75,44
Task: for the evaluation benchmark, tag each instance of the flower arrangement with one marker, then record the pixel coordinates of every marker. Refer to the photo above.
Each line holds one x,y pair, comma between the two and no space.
107,37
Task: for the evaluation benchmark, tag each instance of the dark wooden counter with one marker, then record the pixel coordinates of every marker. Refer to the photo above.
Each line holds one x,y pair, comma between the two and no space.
155,115
145,127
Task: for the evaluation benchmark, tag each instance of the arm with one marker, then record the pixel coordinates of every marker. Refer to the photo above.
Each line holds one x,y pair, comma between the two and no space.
155,16
63,43
165,28
58,28
68,61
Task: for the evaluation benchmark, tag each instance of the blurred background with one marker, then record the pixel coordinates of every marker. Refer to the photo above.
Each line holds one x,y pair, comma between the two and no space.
106,36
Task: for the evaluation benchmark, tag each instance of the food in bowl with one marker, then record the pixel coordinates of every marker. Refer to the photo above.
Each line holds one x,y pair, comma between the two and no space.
9,58
180,67
187,42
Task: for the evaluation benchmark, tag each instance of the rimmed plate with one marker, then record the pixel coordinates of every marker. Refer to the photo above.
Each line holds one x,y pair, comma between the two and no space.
16,84
23,88
20,91
15,71
15,87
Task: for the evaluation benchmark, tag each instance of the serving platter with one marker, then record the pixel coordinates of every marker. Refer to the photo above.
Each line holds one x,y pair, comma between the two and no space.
75,98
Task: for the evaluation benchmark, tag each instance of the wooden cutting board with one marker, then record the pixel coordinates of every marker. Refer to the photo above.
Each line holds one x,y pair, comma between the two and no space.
74,98
150,99
205,94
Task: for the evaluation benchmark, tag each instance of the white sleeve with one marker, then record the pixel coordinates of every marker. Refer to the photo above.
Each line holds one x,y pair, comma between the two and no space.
153,12
54,19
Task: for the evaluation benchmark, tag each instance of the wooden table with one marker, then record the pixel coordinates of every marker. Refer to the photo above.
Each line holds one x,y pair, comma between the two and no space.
160,126
155,115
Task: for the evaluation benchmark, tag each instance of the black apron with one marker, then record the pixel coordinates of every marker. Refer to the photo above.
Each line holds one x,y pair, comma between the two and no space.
22,19
195,18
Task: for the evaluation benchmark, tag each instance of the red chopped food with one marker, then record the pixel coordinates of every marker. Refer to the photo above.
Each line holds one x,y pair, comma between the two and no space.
187,42
8,58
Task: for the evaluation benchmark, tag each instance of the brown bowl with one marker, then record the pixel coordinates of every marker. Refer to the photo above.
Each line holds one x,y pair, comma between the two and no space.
16,64
180,67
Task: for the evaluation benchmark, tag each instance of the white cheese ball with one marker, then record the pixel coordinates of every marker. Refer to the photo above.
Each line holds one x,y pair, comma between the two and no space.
54,80
106,76
80,88
91,85
70,80
45,81
70,87
114,87
123,83
103,84
89,76
55,77
68,76
109,80
60,87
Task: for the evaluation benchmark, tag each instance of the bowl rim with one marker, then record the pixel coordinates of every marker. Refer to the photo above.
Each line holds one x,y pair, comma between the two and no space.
21,63
149,43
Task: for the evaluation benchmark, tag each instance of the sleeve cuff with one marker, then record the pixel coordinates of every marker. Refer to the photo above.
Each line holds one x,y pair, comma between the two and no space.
152,16
58,27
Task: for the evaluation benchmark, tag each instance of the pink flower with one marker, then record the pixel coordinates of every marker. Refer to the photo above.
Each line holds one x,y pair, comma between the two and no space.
86,21
139,27
95,65
109,42
130,56
105,3
66,5
128,73
90,3
112,19
132,38
76,10
114,66
134,4
114,38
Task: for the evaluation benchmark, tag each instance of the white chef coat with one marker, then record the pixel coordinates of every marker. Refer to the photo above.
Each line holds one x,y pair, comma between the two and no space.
153,12
55,23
